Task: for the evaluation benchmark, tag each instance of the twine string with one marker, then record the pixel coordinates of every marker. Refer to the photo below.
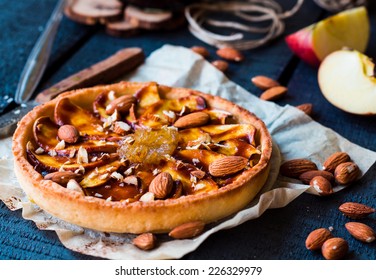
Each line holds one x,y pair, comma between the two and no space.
339,5
251,11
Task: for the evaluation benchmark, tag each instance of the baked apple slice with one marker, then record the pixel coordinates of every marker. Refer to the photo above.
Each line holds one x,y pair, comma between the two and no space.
46,136
199,158
51,163
236,147
84,121
101,175
165,112
217,133
68,113
147,95
193,180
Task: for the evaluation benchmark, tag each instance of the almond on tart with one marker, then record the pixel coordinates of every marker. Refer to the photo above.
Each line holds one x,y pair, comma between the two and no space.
140,157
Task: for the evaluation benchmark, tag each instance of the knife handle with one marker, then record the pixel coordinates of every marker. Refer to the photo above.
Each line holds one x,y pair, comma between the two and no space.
38,58
103,72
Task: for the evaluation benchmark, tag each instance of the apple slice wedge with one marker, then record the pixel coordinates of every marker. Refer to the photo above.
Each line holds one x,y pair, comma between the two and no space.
347,80
349,28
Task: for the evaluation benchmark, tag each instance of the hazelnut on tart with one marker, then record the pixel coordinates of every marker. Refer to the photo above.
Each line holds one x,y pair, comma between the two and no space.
140,157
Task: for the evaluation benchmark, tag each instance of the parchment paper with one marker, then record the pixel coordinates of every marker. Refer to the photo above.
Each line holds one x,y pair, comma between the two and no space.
295,135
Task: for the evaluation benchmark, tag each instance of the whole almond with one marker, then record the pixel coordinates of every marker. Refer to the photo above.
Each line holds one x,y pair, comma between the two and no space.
296,167
306,108
227,166
346,173
274,93
361,231
321,185
187,230
335,248
306,177
62,177
263,82
192,120
230,54
220,65
68,133
122,104
334,160
356,210
201,51
316,238
145,241
161,185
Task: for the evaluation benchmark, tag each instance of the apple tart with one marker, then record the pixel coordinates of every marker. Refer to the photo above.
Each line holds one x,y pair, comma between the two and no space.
140,157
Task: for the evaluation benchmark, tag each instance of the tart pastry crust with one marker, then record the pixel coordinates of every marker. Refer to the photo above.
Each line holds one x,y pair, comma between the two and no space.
159,215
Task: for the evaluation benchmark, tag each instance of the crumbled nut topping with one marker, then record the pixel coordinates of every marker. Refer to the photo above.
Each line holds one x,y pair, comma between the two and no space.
149,196
52,153
111,95
117,176
60,145
39,151
74,186
82,156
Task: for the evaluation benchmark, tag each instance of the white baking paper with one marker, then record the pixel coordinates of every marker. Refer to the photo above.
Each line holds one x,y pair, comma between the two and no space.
295,135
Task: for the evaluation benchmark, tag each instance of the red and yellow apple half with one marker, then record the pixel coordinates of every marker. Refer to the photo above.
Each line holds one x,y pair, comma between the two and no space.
349,28
347,80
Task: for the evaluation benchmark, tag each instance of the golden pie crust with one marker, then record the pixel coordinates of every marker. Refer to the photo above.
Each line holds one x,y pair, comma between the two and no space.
159,215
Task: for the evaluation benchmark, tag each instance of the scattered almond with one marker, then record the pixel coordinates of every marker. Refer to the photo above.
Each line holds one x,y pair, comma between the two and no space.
334,160
221,65
361,231
192,120
62,177
187,230
335,248
321,185
263,82
161,185
201,51
122,104
306,177
227,166
346,173
230,54
274,93
316,238
306,108
145,241
356,210
68,133
296,167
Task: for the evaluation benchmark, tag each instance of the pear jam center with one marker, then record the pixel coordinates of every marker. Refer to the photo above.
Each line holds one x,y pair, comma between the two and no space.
149,146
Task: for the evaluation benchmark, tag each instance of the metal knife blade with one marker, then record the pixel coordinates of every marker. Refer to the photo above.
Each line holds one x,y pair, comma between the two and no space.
8,121
39,56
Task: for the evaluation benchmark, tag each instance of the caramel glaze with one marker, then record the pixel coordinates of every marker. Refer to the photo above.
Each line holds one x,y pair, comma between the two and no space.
117,190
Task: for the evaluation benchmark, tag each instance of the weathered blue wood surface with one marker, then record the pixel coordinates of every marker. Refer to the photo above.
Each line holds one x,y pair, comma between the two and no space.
277,234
